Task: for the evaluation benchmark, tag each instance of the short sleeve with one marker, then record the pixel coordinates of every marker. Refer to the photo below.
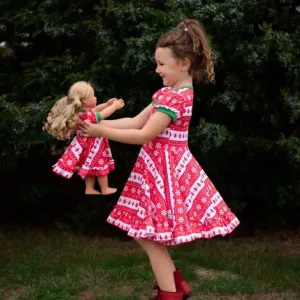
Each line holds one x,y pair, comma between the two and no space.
158,95
172,104
92,116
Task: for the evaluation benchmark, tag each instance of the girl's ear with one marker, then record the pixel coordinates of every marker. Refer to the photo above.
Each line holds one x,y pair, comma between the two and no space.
185,64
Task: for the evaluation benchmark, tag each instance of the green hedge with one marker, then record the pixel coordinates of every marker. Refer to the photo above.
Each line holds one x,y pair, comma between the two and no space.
245,128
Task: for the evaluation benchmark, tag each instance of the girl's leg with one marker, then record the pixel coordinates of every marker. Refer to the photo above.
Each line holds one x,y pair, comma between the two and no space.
89,186
161,263
105,189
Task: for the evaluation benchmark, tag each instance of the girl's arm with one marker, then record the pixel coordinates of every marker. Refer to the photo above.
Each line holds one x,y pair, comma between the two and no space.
130,123
155,125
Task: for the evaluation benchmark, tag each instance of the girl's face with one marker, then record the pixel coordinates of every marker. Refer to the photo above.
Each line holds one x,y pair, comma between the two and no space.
90,101
171,70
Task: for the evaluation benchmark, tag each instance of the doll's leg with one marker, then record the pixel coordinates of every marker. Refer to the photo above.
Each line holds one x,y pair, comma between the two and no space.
161,263
89,186
105,189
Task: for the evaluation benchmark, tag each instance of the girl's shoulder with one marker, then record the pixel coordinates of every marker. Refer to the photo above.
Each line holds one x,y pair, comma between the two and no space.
158,94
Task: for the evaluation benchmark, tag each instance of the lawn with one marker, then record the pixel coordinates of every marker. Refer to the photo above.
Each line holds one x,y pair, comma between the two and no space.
60,265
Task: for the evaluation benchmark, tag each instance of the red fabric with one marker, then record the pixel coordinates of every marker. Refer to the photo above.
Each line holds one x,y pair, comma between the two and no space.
87,156
168,197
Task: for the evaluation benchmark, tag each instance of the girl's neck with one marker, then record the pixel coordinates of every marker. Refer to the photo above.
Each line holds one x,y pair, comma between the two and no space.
186,82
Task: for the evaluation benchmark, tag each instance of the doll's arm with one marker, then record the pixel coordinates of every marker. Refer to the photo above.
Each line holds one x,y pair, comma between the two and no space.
102,106
116,105
136,122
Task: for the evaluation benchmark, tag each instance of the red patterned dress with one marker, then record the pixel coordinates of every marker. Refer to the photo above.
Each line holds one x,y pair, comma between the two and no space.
88,156
168,197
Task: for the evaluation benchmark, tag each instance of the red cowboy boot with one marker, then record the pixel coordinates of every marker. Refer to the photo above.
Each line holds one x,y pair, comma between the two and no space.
170,295
180,284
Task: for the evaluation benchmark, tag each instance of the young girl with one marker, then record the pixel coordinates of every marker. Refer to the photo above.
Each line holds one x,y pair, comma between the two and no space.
90,157
168,198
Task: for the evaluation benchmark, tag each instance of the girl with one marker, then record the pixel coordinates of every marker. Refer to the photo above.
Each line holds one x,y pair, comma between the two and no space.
168,198
90,157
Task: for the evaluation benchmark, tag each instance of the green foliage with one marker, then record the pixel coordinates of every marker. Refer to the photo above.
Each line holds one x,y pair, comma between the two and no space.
245,129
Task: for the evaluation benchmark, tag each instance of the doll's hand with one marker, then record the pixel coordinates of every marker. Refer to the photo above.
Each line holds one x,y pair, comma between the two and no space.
119,104
111,101
89,129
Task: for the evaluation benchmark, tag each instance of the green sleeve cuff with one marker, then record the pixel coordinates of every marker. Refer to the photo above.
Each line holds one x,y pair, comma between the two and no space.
98,116
154,102
168,112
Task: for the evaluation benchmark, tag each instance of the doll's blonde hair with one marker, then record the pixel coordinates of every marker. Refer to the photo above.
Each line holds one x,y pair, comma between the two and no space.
61,120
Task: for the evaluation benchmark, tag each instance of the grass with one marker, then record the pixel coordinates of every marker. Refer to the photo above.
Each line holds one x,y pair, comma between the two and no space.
59,265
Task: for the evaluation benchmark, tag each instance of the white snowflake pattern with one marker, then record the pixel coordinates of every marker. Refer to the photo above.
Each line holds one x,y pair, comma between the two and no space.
138,192
180,210
158,145
166,224
69,162
180,219
194,170
177,192
126,188
133,190
158,205
187,182
198,206
195,214
159,160
163,212
203,200
101,161
156,152
182,188
170,215
176,184
159,225
179,201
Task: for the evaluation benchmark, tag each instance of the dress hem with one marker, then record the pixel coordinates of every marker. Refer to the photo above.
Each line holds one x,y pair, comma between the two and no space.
167,238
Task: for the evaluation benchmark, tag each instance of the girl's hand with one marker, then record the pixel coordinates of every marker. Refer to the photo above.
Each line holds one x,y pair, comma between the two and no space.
119,104
111,101
89,129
